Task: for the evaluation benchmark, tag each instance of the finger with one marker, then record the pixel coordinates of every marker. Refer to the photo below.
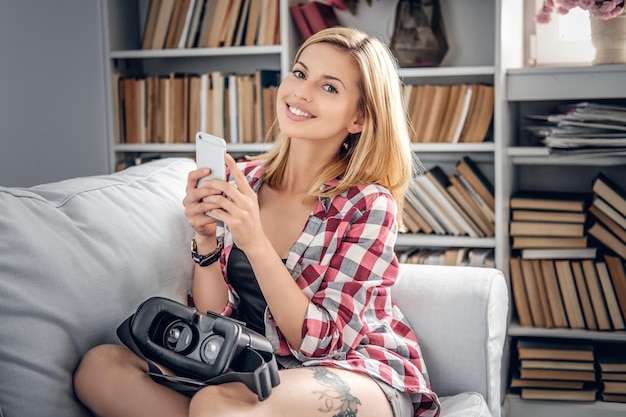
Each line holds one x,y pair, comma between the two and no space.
237,174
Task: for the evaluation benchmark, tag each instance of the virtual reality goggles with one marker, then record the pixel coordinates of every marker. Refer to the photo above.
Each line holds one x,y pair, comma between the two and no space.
201,349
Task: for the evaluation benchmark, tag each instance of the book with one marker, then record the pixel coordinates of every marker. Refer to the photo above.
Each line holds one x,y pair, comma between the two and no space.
617,398
549,200
186,24
432,125
558,394
546,383
263,79
558,374
537,312
553,292
452,105
233,19
555,350
150,26
528,228
610,192
611,358
487,211
434,205
459,122
520,296
162,24
583,295
194,24
412,198
295,10
319,16
177,22
542,242
617,272
542,290
469,170
610,297
547,216
478,124
608,223
559,253
252,24
612,376
606,238
595,294
614,387
608,210
556,364
206,23
570,296
268,23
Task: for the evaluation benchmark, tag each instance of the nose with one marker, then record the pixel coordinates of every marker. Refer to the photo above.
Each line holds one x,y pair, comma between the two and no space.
303,91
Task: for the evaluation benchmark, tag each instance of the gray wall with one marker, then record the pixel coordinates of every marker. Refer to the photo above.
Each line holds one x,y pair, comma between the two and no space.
52,91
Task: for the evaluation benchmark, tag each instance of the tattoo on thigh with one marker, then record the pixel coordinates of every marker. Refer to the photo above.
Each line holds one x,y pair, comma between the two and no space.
336,394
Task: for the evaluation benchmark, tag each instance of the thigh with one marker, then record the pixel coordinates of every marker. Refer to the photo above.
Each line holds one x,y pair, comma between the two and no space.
315,391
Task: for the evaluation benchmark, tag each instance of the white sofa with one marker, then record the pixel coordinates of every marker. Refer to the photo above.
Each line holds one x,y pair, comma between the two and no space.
78,256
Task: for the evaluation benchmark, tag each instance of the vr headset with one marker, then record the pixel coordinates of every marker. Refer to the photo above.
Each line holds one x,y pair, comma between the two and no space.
201,349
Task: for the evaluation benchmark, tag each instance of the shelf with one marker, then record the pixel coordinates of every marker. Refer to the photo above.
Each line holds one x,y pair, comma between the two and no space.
514,405
520,331
188,147
566,83
538,155
409,240
196,52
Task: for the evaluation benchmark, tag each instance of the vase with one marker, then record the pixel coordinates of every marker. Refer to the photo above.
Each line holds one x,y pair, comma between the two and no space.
609,40
419,38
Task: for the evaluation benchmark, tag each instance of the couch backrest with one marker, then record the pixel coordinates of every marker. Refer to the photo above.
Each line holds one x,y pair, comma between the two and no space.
76,258
460,316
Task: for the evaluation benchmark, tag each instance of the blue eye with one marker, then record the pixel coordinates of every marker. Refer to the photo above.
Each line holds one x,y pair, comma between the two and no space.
330,88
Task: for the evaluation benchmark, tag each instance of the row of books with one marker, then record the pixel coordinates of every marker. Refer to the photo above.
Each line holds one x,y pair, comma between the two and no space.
459,204
577,294
450,113
480,257
312,16
172,108
582,128
548,369
210,23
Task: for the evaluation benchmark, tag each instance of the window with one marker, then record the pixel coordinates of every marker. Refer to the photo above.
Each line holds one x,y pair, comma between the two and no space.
565,40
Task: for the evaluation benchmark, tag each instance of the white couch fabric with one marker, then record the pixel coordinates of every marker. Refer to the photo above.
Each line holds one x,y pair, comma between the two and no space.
77,257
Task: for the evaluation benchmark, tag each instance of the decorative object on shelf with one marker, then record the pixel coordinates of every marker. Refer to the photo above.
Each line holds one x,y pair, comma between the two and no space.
608,25
609,39
351,5
419,38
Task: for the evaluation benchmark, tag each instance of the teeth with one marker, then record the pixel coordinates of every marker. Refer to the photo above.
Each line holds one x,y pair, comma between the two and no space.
298,112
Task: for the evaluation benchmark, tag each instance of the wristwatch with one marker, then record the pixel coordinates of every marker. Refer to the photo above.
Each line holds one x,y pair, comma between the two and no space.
209,258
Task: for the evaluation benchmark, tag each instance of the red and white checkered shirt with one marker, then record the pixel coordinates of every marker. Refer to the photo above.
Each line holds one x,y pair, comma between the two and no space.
345,263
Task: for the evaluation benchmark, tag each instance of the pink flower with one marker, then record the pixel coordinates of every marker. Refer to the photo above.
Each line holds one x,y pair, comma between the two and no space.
603,9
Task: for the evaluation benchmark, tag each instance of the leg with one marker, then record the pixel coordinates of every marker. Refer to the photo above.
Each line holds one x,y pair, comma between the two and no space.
111,381
319,392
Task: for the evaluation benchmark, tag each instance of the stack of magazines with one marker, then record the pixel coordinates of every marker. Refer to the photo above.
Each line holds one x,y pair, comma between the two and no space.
582,129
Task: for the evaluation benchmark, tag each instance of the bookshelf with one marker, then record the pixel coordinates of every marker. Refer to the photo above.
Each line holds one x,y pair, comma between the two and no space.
528,91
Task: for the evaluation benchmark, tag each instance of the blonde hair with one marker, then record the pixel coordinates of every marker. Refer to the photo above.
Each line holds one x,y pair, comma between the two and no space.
381,153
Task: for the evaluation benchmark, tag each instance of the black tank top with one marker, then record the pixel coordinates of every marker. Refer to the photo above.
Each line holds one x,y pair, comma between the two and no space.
251,308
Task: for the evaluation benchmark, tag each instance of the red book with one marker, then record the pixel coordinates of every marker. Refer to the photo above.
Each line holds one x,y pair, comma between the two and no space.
320,16
301,23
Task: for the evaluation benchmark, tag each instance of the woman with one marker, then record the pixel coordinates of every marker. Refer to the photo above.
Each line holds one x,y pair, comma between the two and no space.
305,250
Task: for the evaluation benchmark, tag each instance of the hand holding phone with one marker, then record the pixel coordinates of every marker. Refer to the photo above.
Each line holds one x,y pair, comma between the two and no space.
210,153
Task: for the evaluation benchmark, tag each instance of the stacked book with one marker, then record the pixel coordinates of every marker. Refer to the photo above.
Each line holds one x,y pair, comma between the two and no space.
612,367
459,204
582,129
608,215
553,370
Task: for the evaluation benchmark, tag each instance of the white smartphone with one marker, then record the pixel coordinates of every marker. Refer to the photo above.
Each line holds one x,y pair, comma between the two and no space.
210,153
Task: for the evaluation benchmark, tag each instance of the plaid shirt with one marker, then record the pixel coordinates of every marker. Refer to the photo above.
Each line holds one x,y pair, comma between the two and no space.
345,263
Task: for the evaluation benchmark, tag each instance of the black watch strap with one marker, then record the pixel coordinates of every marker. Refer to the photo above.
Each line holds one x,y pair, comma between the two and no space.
209,258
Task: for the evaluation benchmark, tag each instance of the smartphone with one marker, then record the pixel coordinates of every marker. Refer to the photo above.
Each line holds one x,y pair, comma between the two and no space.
210,153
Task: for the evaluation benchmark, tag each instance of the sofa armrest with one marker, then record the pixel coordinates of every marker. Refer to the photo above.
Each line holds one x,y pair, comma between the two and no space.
460,317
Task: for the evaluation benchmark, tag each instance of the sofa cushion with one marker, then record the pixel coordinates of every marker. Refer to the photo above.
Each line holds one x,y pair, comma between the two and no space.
76,258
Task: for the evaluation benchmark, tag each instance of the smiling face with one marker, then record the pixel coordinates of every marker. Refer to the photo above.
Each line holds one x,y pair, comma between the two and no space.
318,99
